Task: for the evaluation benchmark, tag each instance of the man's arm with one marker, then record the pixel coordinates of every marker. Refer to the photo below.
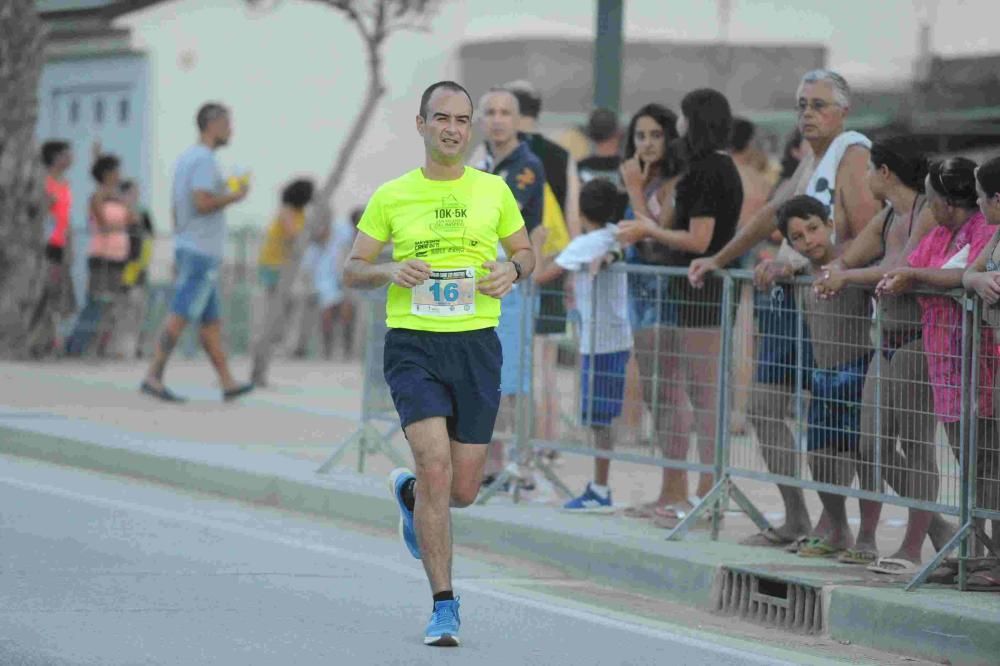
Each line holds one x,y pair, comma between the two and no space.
855,204
361,271
502,274
209,202
757,229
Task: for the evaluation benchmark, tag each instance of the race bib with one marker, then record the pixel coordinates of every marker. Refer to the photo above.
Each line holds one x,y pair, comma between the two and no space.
446,294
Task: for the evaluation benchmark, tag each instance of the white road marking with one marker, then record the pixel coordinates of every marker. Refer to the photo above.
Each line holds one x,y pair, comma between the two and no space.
577,613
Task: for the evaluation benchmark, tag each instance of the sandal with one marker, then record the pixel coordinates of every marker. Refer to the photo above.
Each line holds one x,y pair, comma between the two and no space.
858,556
819,548
644,511
800,542
675,511
162,393
987,580
894,566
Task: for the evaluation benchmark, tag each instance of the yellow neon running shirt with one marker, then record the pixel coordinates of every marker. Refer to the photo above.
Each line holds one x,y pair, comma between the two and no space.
450,224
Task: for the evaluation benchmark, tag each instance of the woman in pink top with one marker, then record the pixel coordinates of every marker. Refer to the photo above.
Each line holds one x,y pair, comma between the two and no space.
939,262
108,219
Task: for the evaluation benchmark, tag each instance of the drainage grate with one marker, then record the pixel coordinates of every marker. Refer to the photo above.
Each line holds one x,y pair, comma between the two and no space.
771,601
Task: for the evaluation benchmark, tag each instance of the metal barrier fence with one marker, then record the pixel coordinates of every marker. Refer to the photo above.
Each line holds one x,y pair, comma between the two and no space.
850,396
379,423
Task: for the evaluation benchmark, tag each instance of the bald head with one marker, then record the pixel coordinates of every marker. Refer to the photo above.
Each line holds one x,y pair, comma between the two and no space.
500,113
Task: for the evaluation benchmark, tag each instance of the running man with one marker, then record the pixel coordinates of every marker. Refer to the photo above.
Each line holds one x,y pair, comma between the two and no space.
442,355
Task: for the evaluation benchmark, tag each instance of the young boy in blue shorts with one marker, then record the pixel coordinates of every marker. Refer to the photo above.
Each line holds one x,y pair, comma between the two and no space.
841,353
605,335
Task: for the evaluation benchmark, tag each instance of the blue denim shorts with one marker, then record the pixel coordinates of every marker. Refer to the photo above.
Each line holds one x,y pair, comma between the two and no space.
196,290
606,373
835,407
515,332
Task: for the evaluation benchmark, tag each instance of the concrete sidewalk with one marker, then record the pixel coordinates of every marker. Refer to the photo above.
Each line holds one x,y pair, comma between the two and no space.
266,449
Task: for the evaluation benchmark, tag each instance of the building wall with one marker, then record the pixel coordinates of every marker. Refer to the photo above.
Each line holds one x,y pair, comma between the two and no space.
294,79
754,77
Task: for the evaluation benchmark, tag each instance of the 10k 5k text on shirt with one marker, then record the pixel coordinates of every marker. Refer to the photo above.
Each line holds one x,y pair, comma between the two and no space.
450,224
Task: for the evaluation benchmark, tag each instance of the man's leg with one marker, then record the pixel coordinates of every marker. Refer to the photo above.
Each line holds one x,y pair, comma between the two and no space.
171,333
830,467
431,448
766,411
210,335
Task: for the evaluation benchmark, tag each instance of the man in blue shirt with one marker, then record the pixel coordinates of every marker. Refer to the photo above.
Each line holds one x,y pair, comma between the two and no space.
200,197
511,159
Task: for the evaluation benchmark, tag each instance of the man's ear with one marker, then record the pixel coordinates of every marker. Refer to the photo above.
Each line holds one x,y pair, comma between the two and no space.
420,124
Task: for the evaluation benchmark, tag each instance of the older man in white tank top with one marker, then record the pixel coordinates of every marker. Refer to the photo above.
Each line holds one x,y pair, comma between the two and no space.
834,173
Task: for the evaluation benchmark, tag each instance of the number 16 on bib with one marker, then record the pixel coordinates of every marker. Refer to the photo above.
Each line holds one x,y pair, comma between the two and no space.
446,294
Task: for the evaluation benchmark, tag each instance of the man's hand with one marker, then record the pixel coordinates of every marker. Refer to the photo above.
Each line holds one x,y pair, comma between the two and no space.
700,269
596,265
634,174
769,272
500,280
895,282
987,285
633,231
241,192
408,274
830,282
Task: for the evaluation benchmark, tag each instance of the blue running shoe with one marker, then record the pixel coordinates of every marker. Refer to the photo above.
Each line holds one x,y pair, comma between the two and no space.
590,502
442,630
397,479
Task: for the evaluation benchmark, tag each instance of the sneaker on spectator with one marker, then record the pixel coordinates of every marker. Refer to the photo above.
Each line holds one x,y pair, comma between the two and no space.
442,630
398,478
590,502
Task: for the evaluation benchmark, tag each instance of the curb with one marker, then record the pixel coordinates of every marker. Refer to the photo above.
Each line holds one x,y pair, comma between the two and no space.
942,625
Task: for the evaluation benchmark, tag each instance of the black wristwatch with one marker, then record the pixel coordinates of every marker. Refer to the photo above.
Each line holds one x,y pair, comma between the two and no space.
517,269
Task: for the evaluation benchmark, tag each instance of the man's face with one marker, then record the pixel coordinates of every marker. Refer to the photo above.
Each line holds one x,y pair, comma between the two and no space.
500,117
221,130
811,237
447,127
820,116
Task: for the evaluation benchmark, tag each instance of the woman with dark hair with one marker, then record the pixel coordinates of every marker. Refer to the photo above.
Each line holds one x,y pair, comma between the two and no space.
896,175
939,262
707,201
650,173
109,218
282,232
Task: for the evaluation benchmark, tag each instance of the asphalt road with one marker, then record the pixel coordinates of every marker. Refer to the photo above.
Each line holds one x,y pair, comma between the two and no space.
103,570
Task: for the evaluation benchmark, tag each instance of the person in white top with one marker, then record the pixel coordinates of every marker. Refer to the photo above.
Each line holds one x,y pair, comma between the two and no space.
836,174
605,330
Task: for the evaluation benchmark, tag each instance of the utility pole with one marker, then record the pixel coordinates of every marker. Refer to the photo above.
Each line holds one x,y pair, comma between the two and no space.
608,51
